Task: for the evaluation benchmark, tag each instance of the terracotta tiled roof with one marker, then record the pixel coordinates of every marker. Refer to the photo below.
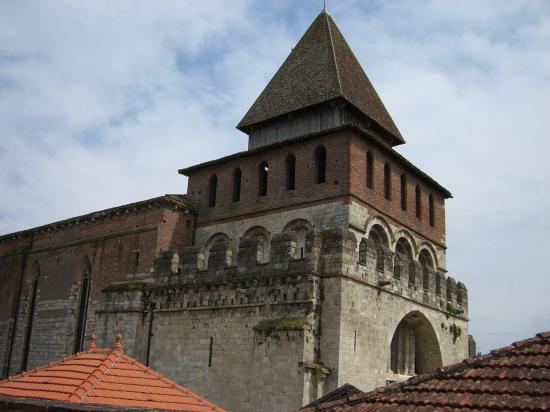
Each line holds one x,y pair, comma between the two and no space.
513,378
321,67
104,377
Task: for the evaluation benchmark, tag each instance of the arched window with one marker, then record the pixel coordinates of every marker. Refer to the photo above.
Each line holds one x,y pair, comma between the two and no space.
427,264
264,172
212,191
403,256
82,311
412,274
418,201
363,251
320,165
431,210
237,185
370,170
403,192
379,241
30,316
290,172
397,267
387,181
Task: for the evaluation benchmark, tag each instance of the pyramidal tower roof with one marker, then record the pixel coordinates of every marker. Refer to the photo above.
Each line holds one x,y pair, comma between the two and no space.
319,69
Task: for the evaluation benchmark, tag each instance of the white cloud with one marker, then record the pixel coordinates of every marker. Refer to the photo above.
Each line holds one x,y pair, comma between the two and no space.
101,102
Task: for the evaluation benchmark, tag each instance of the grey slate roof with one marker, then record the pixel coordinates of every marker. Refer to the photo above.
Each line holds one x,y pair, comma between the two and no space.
320,68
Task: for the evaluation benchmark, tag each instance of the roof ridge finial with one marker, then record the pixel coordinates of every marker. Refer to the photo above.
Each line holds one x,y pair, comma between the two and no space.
118,342
91,343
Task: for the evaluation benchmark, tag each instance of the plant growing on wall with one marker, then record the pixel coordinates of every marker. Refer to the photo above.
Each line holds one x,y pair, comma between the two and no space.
456,331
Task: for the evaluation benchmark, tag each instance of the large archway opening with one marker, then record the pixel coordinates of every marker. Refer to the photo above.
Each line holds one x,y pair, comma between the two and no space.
414,346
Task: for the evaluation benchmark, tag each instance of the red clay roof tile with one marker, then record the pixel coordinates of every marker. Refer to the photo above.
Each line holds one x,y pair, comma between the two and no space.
513,378
104,377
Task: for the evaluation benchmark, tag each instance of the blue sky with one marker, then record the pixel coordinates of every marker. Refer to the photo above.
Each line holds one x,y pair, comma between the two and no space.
101,102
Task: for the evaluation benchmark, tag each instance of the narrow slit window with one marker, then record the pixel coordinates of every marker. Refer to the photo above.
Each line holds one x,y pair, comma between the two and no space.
212,191
237,185
290,172
82,311
418,202
387,181
431,210
136,260
264,172
403,192
32,306
320,165
210,352
370,170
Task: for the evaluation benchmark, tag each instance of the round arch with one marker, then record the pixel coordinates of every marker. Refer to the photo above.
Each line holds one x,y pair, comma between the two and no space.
264,238
405,234
380,221
215,238
414,347
431,250
295,224
300,227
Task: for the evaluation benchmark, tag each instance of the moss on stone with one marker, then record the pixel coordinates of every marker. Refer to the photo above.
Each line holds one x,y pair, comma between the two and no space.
452,311
318,366
126,287
284,323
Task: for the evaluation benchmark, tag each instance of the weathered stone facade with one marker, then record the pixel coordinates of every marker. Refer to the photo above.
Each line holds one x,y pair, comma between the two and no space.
286,271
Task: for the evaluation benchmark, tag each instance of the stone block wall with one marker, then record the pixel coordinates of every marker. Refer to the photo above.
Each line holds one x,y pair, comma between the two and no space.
216,322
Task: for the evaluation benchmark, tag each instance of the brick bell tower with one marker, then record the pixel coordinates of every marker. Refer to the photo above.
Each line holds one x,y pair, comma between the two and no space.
318,255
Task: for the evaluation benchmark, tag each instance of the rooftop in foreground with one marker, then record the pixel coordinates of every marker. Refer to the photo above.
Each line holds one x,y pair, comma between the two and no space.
101,379
513,378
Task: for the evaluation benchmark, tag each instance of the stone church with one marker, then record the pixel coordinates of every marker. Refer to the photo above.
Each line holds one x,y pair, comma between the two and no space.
313,259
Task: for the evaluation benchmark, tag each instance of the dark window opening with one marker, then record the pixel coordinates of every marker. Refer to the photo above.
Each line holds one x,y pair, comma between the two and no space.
320,165
403,192
354,340
136,261
431,210
237,185
212,191
188,224
387,181
370,170
264,172
412,274
210,352
425,278
32,307
290,172
418,202
82,312
363,252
